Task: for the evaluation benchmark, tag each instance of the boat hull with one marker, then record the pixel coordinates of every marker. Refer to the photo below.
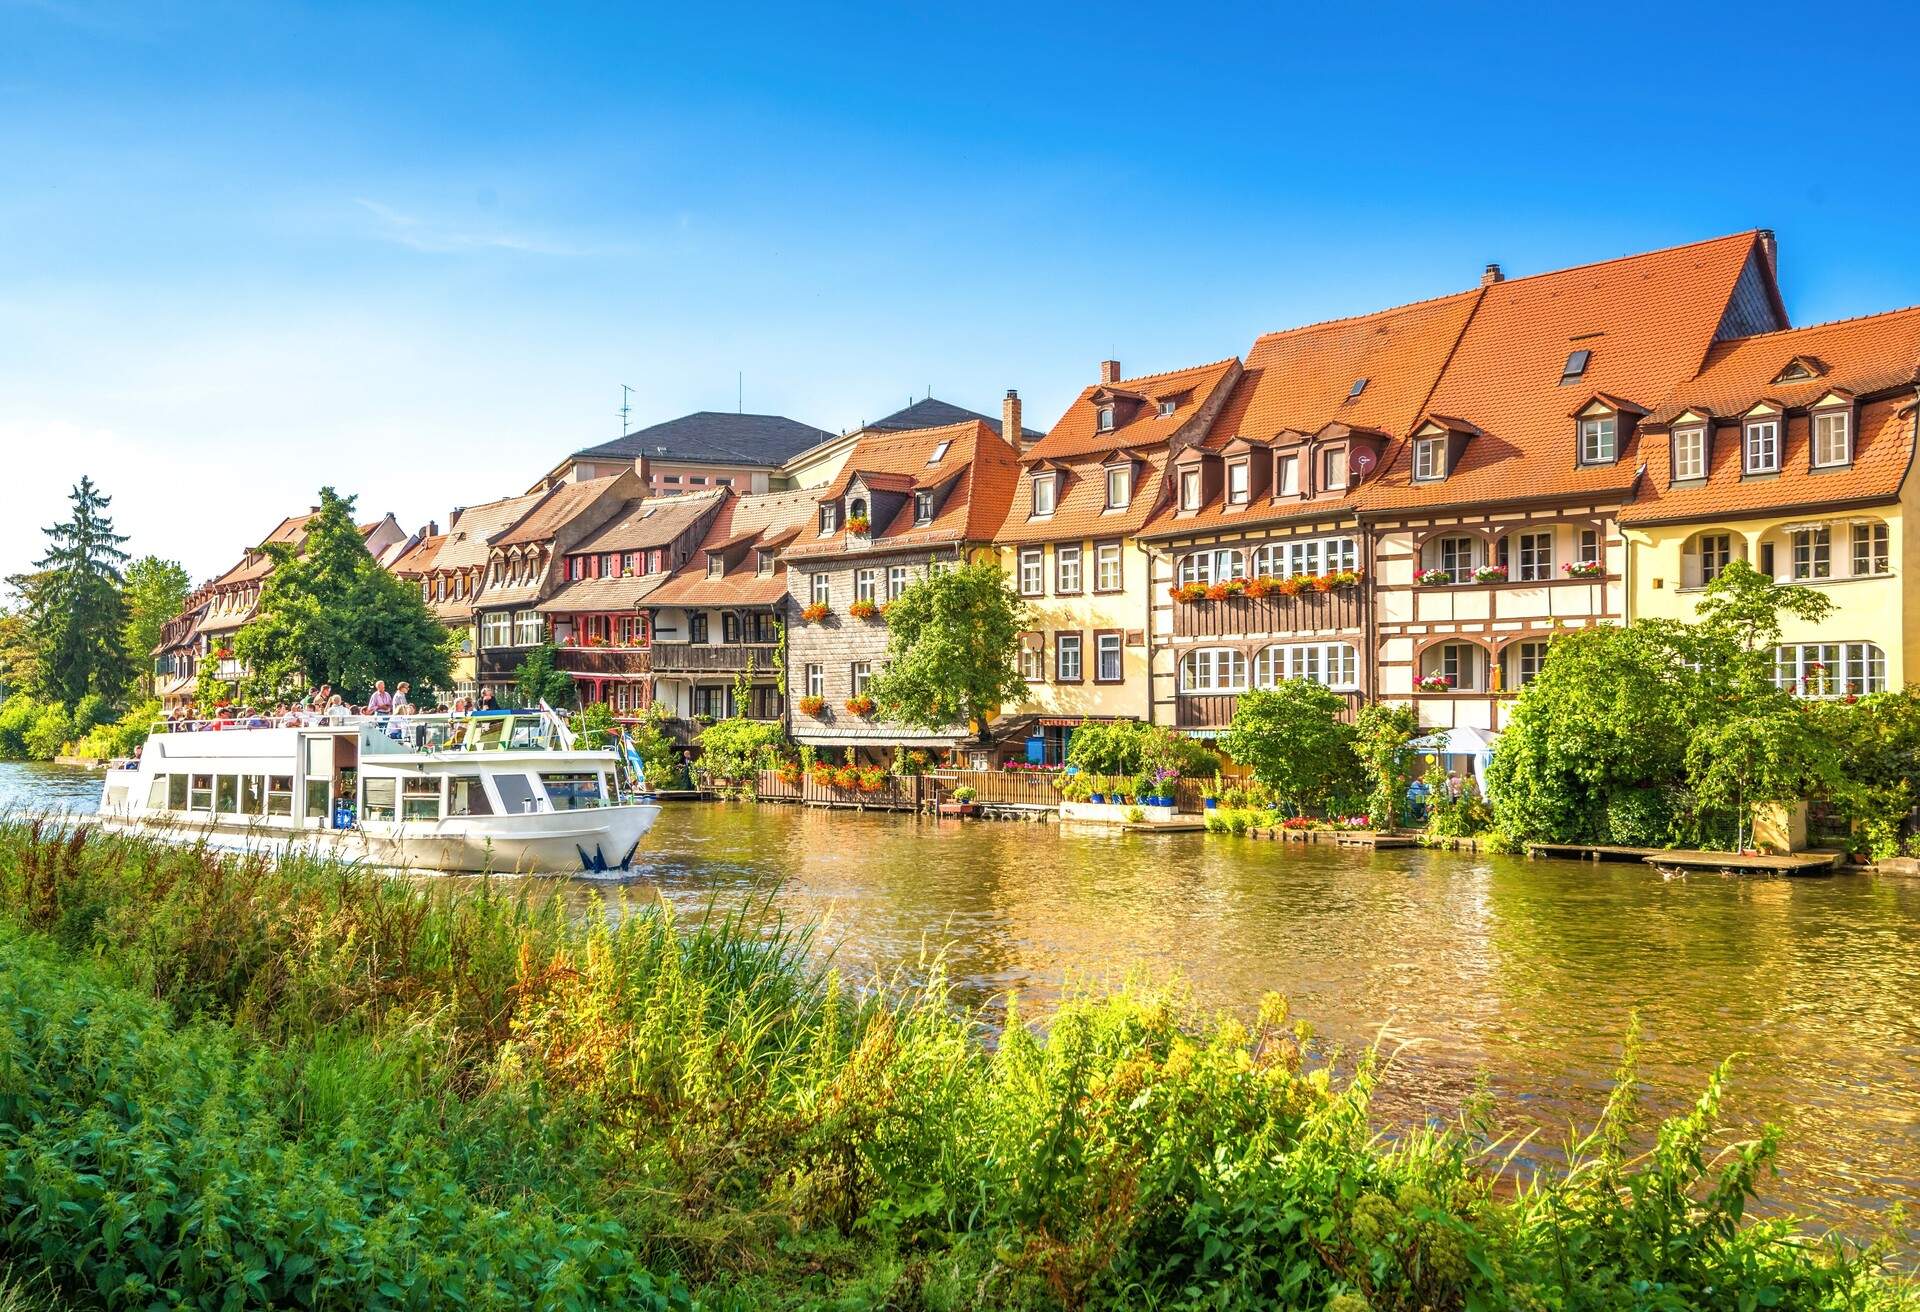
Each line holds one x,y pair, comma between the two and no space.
561,842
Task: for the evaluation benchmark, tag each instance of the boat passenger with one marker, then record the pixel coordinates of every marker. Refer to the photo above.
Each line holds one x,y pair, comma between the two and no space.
382,701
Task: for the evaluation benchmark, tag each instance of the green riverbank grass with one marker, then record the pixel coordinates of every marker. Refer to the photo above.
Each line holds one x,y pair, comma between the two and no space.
226,1084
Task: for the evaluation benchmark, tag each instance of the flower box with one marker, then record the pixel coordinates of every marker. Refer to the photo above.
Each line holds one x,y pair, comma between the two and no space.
1490,574
861,705
960,808
1346,578
859,525
1292,585
1262,587
1433,578
864,609
846,776
1189,592
811,705
1584,569
818,611
1433,683
872,779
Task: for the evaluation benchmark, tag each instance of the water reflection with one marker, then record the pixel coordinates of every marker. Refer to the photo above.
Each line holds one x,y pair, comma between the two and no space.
1525,971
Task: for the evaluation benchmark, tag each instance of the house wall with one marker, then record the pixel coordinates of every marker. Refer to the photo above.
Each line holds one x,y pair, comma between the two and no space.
1088,613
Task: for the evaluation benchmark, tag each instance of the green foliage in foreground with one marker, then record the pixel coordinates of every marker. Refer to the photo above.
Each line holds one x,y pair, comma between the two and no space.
235,1082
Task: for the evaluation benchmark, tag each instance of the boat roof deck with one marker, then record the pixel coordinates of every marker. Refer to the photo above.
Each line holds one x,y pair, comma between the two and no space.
1777,863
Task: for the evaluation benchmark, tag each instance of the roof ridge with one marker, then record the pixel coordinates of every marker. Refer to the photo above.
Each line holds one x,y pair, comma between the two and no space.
1168,373
1370,314
1749,233
1825,323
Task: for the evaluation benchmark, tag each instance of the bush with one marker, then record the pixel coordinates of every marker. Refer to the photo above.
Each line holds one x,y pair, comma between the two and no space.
1639,817
17,716
51,729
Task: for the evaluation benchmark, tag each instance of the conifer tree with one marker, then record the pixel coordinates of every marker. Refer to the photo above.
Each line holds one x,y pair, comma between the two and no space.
76,614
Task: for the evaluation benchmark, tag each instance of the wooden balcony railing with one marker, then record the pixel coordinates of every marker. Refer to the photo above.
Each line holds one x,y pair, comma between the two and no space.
1214,710
701,658
1307,612
604,660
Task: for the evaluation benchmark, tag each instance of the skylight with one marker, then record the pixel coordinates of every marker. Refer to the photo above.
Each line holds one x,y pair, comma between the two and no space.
939,452
1359,386
1576,366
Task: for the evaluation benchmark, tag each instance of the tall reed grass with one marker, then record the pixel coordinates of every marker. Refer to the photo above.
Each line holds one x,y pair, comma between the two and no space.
230,1083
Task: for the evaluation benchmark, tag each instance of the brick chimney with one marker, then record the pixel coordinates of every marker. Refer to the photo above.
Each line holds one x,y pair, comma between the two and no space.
1010,419
1770,247
1109,371
640,468
1492,275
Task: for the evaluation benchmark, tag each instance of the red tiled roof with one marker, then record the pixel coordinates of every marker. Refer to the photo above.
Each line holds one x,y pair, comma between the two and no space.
1077,432
1648,321
1858,357
981,468
765,519
1080,504
418,558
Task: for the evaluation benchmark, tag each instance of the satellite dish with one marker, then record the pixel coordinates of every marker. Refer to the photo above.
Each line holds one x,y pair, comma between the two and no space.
1362,462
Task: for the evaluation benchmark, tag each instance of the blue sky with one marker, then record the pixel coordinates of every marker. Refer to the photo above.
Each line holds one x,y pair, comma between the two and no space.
414,251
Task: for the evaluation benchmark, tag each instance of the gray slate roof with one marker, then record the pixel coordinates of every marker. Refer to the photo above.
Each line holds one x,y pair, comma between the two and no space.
931,413
717,437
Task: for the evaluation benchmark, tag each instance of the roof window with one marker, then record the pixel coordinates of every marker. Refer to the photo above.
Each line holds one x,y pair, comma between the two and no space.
1106,419
940,452
1576,366
1167,408
1359,386
1799,369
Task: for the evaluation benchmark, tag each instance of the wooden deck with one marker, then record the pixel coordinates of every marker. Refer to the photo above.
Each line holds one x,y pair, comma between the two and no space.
1770,863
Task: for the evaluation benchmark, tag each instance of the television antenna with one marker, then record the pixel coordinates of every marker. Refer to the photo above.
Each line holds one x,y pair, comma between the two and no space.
626,408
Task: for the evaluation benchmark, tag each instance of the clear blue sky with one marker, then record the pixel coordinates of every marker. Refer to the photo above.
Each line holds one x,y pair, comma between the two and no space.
413,251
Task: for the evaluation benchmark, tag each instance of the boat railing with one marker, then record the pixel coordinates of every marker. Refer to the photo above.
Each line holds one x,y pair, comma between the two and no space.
541,729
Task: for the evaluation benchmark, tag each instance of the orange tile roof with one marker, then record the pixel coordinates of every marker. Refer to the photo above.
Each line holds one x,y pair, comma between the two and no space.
980,468
1876,354
1077,432
764,519
418,558
1080,504
1648,321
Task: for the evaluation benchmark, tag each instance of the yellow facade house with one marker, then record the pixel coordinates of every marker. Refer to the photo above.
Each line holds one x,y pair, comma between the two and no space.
1793,451
1070,545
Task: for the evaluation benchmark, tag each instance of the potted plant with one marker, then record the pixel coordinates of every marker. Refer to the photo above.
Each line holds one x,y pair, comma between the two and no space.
863,609
1346,578
811,705
964,801
860,705
1433,682
859,525
872,779
1097,789
1291,585
816,612
1216,592
1584,569
1321,582
1433,578
846,776
789,773
1490,574
1235,587
822,775
1210,793
1189,592
1261,586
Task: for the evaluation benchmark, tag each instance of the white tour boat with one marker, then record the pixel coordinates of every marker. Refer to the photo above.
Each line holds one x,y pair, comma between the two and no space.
503,791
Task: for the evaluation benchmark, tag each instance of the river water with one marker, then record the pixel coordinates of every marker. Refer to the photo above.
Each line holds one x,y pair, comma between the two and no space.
1522,973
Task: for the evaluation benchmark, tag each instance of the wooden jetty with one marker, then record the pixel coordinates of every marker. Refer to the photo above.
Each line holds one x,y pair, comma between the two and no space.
1736,863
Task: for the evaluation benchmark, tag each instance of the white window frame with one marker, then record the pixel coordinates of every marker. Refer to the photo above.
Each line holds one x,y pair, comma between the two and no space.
1067,569
1033,657
1870,549
1333,469
496,629
1528,657
896,581
1190,485
1119,487
1689,453
1429,459
821,589
1832,438
1212,566
866,584
1334,665
529,629
1033,571
816,679
1459,660
1533,556
1105,646
1067,650
1286,476
1108,563
1239,482
1166,409
1105,421
1810,553
923,507
1459,555
1760,446
829,518
1599,440
1714,552
859,675
1046,493
1213,669
1849,668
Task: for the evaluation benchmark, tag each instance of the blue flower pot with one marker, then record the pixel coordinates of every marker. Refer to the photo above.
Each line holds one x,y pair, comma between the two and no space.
1099,798
1212,803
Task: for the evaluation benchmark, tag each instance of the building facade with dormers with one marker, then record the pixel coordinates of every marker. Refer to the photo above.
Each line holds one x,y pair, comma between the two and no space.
1792,451
1071,543
903,504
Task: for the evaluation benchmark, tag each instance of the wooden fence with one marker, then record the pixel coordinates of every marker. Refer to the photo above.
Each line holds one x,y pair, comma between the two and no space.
915,792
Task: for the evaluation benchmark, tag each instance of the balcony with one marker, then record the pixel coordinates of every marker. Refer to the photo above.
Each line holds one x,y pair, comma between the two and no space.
700,658
604,660
1308,612
1214,710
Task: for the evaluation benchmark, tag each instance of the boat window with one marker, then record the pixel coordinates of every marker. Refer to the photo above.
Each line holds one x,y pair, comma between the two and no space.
252,795
466,795
486,733
201,797
420,799
572,792
176,792
157,793
280,794
379,799
529,734
226,793
516,794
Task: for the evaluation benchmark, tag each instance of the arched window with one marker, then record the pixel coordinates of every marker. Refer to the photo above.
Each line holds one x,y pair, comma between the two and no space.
1213,566
1457,554
1334,664
1453,666
1213,669
857,508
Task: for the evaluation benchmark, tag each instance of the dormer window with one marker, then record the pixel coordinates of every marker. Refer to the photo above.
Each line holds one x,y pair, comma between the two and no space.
1599,440
939,452
1106,419
1167,408
1333,469
1189,489
1430,459
1046,492
923,507
1762,446
1238,483
1689,453
1799,369
1286,476
829,518
1119,487
1832,438
716,566
763,563
1575,367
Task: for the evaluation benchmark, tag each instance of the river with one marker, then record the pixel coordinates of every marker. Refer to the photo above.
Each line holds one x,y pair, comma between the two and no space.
1519,972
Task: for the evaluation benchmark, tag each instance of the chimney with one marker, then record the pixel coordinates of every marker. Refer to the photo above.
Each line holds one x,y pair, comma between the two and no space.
1770,247
1492,275
1109,371
1010,419
640,468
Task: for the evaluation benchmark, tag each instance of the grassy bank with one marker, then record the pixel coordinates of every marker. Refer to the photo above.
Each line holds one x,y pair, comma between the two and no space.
225,1084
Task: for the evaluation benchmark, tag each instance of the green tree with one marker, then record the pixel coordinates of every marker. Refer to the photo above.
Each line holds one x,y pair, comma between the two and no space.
153,593
594,727
734,751
75,611
1381,733
1292,737
539,679
952,643
329,613
20,669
